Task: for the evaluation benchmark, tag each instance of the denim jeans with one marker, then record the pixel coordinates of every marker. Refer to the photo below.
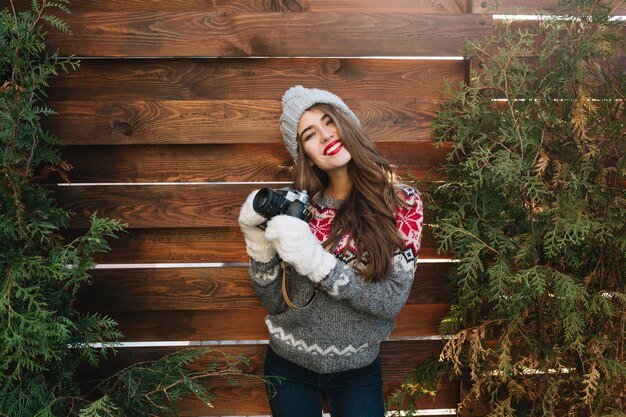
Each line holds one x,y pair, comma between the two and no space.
299,391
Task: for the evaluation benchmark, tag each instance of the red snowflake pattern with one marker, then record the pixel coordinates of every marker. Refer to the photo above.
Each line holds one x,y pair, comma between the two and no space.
321,222
410,219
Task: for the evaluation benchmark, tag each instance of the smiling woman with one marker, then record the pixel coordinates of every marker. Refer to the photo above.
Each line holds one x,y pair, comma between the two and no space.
322,144
351,267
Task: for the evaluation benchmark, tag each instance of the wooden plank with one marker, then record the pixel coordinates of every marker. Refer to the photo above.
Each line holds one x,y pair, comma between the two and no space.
398,357
219,163
211,289
419,320
254,79
222,244
267,6
217,121
249,397
526,7
157,206
186,34
247,324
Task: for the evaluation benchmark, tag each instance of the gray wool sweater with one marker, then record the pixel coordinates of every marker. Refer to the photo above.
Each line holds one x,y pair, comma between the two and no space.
343,326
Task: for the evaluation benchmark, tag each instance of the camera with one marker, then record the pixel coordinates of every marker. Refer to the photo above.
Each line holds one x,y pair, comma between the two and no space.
269,203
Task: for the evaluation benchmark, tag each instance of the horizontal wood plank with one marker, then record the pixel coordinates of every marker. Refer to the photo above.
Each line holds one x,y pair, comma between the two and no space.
186,245
185,34
525,7
398,357
219,163
242,121
248,397
150,206
157,206
247,324
211,288
115,80
264,6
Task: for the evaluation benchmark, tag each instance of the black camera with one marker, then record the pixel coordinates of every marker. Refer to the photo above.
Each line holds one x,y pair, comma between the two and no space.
269,203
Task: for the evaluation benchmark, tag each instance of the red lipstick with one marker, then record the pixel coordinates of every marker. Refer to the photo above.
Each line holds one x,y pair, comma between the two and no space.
333,147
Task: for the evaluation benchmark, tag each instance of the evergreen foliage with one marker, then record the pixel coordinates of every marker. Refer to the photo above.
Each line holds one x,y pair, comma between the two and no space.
43,338
533,210
40,273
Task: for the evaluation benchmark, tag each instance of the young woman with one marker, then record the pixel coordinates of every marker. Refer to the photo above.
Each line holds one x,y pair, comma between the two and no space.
346,274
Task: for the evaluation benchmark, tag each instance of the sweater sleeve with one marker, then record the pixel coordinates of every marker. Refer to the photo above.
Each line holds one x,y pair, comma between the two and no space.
386,298
266,281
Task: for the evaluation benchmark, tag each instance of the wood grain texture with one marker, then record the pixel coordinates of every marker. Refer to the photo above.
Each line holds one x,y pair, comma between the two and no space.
323,34
398,357
216,244
218,121
247,323
254,79
524,7
265,6
136,246
211,289
219,163
158,206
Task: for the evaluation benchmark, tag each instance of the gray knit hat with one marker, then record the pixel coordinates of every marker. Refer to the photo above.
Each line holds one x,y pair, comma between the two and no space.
295,102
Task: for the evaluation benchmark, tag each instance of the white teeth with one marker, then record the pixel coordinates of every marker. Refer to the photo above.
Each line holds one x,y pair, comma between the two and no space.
332,148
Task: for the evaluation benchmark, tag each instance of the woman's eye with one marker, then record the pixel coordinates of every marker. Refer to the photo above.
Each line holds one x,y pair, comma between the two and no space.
309,136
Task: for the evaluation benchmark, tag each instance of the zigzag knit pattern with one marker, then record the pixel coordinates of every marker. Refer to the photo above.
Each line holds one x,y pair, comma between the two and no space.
279,333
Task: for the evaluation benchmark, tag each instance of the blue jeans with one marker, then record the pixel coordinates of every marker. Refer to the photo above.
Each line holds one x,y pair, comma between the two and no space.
298,393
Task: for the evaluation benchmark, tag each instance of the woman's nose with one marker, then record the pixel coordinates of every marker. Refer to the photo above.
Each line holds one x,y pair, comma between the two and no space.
327,135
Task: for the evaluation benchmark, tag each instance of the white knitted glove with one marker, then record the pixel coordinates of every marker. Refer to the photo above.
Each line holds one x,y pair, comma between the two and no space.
297,246
257,246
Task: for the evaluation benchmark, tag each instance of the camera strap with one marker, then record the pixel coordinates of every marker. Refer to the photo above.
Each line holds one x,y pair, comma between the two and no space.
330,248
286,296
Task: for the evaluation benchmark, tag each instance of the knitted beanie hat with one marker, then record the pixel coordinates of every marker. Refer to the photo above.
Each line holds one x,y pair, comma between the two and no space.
295,102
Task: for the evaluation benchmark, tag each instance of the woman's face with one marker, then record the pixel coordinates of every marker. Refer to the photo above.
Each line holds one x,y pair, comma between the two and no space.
320,141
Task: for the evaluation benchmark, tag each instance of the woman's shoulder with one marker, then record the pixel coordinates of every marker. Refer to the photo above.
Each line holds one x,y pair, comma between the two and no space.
410,215
409,196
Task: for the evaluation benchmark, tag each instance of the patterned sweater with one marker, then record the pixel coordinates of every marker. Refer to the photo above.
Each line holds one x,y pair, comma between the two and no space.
343,326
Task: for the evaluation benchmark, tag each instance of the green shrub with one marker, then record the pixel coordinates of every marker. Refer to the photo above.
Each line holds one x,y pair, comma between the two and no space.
533,211
43,338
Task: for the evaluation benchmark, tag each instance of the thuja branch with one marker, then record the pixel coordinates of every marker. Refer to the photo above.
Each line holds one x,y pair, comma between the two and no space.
473,236
553,225
183,380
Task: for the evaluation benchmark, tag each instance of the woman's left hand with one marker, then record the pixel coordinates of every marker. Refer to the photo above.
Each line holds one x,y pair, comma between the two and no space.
296,245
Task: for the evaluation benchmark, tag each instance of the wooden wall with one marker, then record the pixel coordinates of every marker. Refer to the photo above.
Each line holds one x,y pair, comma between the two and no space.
172,120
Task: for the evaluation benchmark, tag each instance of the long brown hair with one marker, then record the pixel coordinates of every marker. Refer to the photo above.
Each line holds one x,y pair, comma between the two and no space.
367,214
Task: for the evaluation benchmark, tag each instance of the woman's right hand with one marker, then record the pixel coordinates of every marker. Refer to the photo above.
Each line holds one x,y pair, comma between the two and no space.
257,246
248,217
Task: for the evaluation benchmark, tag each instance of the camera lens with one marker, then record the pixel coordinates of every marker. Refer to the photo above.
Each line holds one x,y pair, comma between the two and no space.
261,198
268,203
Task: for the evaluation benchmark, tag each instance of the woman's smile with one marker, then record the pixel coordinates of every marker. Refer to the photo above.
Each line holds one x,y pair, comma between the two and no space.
333,147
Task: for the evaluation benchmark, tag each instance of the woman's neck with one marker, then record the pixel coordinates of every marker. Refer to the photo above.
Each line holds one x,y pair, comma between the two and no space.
339,185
